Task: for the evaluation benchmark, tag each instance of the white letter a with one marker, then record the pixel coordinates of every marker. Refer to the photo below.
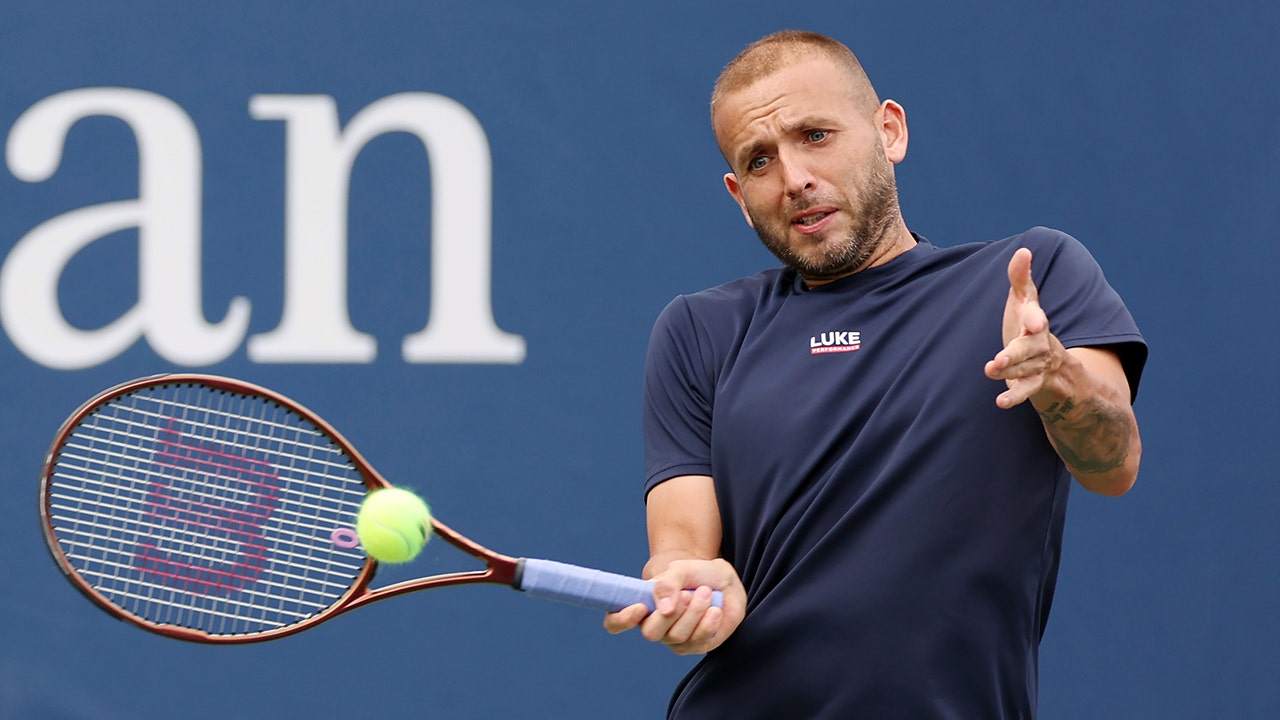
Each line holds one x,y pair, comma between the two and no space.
167,214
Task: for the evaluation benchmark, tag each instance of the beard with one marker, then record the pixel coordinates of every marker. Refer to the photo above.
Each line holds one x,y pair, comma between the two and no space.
872,219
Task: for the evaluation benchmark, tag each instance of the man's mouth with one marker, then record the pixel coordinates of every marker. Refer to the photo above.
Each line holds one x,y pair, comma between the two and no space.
811,219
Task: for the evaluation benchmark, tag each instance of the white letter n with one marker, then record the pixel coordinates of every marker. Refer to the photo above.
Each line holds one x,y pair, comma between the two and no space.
316,324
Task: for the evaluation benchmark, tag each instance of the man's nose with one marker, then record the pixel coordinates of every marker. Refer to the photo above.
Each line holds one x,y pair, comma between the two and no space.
797,175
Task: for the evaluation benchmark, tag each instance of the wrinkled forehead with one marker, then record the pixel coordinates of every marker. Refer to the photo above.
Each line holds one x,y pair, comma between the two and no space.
809,85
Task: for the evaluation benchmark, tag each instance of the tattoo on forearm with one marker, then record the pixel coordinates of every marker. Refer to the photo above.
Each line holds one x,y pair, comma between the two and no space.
1094,439
1057,412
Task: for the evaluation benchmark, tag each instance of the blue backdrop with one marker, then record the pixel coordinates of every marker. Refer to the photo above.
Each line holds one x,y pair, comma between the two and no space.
1144,129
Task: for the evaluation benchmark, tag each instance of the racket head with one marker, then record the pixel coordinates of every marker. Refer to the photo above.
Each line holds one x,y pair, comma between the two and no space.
207,509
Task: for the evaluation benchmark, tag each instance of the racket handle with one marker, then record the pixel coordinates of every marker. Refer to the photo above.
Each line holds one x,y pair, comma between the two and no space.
585,587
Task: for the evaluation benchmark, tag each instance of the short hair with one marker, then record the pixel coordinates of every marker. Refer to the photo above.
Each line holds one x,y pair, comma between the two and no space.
773,52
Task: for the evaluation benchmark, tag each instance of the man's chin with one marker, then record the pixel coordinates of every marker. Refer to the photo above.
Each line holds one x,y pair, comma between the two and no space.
810,255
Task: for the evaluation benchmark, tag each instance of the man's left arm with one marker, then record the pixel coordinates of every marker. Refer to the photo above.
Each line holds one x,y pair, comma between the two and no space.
1081,394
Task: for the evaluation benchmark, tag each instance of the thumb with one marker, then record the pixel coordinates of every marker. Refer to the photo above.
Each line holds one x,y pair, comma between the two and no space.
680,576
667,586
1021,285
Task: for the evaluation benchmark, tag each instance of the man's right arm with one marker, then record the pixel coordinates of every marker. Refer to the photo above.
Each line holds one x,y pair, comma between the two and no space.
685,565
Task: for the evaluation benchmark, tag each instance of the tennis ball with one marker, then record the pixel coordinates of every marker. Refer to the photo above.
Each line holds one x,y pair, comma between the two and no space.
393,525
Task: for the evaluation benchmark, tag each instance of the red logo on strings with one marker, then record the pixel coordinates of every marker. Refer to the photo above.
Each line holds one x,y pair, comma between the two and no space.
207,506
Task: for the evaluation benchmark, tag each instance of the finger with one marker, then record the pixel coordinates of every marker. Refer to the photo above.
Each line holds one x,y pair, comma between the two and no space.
708,633
668,592
1033,369
1021,285
655,627
626,618
1024,379
1014,396
1033,350
684,628
705,636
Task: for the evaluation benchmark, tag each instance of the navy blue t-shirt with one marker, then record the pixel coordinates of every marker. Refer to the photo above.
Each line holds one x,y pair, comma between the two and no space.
897,533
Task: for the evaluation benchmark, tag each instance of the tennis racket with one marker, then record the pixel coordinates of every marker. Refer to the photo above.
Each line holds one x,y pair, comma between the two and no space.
212,510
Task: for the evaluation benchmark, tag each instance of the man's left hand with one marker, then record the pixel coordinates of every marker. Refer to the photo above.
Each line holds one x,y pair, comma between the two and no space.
1031,355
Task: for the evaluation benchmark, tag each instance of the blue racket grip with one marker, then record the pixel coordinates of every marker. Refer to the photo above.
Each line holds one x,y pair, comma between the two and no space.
587,588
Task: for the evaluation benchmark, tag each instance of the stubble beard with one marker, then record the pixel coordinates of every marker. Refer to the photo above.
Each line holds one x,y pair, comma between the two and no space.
873,219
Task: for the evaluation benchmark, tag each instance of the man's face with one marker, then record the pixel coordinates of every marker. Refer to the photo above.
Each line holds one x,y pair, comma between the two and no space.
809,167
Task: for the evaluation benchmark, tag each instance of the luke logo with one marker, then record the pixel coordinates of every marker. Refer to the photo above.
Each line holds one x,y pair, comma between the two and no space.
835,342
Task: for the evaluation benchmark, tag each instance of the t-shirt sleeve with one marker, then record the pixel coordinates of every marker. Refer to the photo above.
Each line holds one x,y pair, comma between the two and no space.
678,397
1083,309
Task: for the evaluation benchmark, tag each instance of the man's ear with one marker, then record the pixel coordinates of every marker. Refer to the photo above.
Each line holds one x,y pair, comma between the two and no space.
731,184
891,123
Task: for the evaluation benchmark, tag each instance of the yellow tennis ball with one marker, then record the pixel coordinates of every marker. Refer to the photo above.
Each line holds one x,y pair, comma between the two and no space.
393,525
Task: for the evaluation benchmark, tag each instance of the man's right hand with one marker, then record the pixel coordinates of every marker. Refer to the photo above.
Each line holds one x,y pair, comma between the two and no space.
684,619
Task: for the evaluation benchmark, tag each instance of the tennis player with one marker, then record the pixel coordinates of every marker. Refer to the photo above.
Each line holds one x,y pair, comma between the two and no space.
869,449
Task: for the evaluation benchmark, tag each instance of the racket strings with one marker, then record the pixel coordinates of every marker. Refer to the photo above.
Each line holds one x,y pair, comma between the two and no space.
184,505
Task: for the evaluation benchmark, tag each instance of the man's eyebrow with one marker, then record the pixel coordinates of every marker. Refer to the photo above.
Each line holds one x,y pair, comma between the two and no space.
751,150
809,122
800,125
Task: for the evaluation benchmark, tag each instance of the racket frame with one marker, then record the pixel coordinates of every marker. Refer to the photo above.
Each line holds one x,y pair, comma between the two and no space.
499,569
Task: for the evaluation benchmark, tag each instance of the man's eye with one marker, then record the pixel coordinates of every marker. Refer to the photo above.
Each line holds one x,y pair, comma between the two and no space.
817,135
757,163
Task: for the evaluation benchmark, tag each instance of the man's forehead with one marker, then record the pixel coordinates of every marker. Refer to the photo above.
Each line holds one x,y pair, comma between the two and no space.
809,72
810,86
